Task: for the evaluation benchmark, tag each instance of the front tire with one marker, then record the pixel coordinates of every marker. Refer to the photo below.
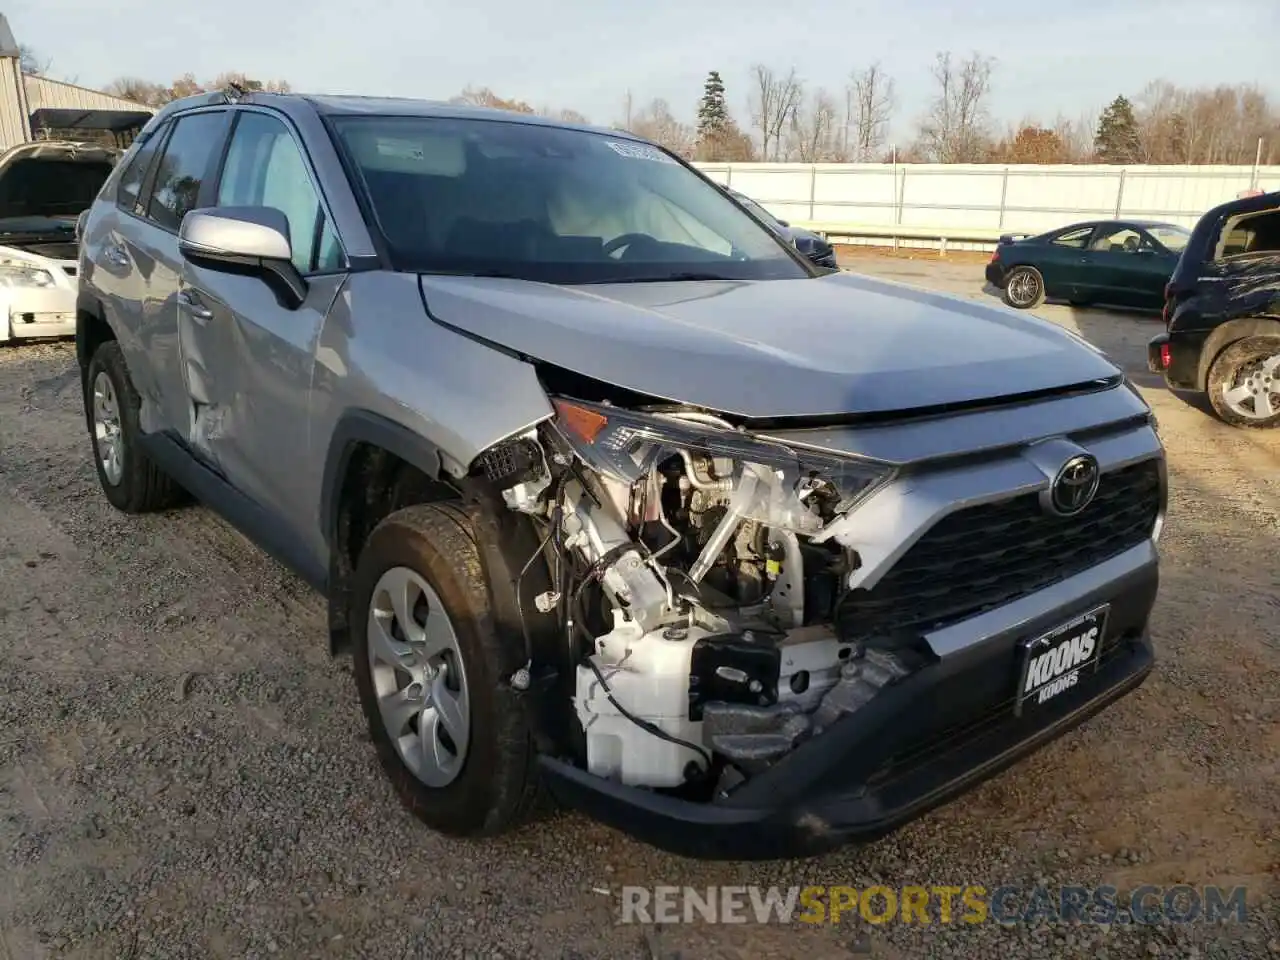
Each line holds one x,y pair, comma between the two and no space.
431,673
1244,383
131,482
1024,288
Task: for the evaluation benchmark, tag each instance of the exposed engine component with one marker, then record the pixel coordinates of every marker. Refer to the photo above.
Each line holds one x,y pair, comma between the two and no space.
695,585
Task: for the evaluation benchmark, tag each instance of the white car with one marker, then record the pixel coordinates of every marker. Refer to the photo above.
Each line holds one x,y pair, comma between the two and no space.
44,186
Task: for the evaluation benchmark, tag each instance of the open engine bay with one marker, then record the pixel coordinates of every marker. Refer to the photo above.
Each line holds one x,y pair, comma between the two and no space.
698,574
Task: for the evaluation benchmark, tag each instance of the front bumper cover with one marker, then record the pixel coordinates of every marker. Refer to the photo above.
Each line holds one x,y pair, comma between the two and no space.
918,744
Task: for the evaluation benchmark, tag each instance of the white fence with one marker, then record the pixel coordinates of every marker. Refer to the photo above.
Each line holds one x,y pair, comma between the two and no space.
977,202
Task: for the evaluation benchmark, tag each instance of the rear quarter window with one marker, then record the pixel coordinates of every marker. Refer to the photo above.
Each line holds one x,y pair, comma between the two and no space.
1253,233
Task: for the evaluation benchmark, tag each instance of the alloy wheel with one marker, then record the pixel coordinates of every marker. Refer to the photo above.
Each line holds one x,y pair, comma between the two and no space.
418,675
1254,393
107,435
1023,287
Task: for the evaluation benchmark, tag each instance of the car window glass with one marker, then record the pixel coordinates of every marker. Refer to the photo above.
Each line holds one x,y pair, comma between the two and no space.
1074,238
328,254
1117,240
265,168
1173,239
1255,233
133,175
187,159
549,204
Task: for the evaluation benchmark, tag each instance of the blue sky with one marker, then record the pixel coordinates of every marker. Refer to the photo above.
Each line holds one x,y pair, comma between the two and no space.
1069,56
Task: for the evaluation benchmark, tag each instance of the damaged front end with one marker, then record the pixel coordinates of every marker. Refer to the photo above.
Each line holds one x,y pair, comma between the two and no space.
697,575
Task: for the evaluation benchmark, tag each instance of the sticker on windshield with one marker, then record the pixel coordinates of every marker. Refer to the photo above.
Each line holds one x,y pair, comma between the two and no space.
400,149
638,151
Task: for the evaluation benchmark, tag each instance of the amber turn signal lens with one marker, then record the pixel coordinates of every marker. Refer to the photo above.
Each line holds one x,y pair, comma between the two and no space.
582,423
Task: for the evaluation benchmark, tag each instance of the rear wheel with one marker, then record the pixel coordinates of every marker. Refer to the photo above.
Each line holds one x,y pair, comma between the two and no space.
1244,383
1024,288
430,669
131,482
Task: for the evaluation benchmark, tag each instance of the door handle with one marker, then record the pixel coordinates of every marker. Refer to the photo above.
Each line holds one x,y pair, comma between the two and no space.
190,302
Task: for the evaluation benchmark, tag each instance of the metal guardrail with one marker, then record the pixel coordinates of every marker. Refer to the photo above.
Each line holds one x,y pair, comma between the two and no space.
897,233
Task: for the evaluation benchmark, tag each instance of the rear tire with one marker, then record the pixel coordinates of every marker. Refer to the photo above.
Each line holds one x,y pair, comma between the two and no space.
131,482
1244,383
489,784
1023,288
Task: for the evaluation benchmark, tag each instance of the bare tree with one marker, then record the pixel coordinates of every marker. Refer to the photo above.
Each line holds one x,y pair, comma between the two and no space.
1076,136
870,101
814,130
137,90
773,106
955,128
484,97
1208,125
656,122
30,63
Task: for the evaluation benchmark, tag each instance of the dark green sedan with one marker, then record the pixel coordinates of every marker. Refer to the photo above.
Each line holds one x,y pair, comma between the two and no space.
1124,263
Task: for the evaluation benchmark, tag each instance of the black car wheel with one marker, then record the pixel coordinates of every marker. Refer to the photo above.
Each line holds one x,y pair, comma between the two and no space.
1024,288
131,482
430,667
1244,383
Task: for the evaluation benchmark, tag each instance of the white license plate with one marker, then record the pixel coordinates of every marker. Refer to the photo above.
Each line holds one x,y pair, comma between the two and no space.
1055,662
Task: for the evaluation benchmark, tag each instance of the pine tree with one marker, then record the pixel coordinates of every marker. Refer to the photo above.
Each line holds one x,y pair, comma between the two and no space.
713,115
1117,138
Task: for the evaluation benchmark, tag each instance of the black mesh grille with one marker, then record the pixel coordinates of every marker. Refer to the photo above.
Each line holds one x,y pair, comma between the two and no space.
989,555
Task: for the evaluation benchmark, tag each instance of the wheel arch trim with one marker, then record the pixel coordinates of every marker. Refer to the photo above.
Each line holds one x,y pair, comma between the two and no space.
1228,333
87,304
354,427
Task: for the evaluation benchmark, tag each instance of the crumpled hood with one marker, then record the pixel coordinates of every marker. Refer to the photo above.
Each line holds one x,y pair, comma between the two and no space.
832,345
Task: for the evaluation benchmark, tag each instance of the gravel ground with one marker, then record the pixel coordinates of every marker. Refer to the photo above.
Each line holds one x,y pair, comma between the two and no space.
183,771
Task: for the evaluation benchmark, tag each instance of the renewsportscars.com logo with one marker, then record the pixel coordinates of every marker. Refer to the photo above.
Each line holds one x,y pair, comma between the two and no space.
971,904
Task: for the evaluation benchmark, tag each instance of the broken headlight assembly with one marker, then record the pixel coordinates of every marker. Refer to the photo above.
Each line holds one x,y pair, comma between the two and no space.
778,485
696,584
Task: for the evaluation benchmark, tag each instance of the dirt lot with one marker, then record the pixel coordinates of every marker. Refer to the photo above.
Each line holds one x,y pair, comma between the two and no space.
183,771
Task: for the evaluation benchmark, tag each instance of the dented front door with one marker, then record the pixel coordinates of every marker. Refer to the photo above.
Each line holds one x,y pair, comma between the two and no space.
249,363
249,356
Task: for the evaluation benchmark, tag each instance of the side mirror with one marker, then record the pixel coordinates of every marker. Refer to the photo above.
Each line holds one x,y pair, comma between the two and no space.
250,241
784,223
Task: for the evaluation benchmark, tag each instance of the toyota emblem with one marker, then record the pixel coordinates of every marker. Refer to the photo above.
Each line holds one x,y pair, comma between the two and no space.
1074,487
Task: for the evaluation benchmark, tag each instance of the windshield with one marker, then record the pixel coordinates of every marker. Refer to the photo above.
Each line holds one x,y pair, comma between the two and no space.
1170,237
758,210
548,204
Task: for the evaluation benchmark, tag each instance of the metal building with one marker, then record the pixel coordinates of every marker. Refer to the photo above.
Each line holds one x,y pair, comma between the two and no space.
38,108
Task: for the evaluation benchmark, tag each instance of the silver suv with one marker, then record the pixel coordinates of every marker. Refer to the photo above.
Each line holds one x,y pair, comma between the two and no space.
609,490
